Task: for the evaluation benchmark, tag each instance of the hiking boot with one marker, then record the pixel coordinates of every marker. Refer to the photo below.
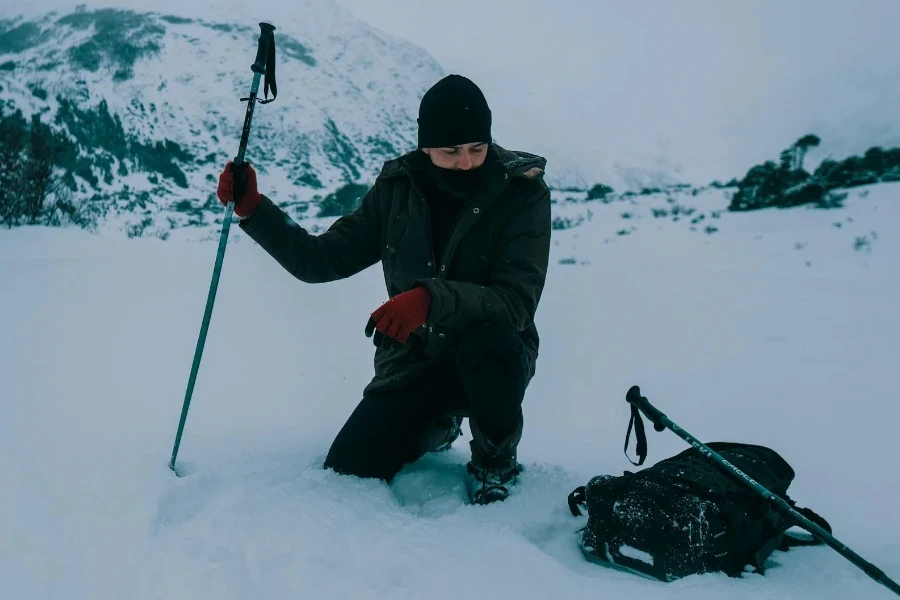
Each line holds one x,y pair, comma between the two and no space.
494,469
492,483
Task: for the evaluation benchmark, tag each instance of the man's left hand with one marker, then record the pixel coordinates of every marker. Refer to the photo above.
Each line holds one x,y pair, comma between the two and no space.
396,319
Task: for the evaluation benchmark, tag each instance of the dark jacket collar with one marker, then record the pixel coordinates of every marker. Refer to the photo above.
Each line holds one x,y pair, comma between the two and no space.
513,163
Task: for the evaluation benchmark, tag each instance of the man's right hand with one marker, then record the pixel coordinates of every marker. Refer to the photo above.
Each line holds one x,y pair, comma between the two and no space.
243,181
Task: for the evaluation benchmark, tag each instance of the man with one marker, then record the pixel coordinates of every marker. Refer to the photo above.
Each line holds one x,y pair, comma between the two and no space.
462,229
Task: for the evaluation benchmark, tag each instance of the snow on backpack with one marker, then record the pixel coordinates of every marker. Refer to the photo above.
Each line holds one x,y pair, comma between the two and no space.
685,515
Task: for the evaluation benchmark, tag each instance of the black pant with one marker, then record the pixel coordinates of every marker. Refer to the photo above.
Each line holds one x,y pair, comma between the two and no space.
484,378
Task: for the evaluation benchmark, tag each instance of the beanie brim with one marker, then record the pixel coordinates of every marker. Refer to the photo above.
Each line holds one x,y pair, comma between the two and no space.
445,133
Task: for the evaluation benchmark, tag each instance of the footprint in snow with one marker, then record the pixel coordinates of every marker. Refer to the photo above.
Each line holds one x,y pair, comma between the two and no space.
433,487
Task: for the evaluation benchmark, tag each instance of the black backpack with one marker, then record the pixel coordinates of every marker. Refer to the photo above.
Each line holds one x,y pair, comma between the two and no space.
686,515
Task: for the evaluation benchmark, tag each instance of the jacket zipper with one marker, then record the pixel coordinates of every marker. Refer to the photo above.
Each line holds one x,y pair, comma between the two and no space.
463,210
434,271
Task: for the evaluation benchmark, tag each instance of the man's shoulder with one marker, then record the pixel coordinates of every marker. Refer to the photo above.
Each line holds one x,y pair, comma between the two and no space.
399,166
519,164
526,175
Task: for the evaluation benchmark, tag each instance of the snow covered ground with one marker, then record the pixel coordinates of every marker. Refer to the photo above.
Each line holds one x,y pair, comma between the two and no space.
772,330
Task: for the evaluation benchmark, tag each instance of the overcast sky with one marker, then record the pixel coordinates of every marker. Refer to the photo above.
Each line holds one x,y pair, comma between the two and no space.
707,86
620,90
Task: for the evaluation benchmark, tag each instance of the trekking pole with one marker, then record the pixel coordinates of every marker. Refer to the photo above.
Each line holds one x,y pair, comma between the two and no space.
661,421
263,65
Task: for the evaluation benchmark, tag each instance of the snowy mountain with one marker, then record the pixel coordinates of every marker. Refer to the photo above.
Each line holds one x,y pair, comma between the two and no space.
777,329
148,101
139,105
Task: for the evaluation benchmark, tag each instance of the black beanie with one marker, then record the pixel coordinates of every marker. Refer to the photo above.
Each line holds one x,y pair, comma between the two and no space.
453,112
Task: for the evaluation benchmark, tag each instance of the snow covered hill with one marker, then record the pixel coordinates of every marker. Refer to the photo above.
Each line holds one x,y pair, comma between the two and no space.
149,100
862,234
778,328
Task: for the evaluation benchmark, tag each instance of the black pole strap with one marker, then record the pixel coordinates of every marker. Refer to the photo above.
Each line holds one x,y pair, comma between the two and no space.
639,403
637,423
269,82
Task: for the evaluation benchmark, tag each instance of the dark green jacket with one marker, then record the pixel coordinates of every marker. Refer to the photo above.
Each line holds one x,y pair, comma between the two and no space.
494,266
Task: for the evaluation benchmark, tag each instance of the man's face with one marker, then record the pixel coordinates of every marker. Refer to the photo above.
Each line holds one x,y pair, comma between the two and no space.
459,158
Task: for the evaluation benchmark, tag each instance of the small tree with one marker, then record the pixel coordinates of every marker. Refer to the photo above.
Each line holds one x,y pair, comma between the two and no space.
802,146
41,170
30,181
599,192
14,133
787,159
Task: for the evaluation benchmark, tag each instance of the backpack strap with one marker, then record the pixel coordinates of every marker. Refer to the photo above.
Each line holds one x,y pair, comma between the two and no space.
789,541
576,498
639,566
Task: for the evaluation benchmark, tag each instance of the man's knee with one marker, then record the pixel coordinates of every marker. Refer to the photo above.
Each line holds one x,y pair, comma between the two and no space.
360,460
365,446
383,433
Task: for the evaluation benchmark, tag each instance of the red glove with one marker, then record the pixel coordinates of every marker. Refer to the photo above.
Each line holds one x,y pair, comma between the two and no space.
245,178
398,317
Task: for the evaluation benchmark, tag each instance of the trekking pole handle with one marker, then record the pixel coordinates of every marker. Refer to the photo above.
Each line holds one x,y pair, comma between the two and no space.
635,398
259,67
265,34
